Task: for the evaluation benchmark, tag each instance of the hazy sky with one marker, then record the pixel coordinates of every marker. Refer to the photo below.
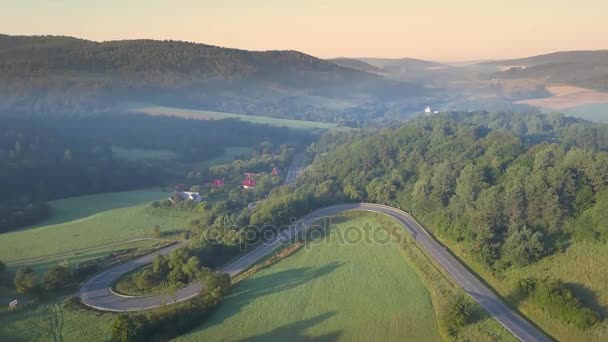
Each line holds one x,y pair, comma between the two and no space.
447,30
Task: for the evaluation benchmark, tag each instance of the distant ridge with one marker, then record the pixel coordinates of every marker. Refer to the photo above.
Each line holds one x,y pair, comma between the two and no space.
66,74
355,64
576,56
581,68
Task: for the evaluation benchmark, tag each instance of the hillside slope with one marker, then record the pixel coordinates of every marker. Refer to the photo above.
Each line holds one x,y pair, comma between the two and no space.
58,74
581,68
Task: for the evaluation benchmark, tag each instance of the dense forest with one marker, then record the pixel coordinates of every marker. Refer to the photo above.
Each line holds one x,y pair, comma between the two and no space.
513,189
66,156
62,74
510,189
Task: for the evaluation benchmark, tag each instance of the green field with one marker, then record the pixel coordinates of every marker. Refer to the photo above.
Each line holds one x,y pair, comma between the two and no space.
597,112
53,321
594,112
137,154
583,267
73,208
230,154
331,291
210,115
87,228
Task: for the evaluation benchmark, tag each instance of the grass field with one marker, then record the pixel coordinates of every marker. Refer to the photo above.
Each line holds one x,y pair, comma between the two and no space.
137,154
581,266
594,112
565,97
329,292
210,115
73,208
54,321
76,238
332,291
82,228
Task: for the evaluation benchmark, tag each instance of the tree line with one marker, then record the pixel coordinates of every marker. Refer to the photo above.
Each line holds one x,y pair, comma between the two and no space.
510,188
41,160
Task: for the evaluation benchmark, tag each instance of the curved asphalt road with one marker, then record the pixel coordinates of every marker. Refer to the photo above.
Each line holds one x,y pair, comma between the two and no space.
96,291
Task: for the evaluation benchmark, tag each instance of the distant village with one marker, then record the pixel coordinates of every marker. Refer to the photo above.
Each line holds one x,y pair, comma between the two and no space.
189,194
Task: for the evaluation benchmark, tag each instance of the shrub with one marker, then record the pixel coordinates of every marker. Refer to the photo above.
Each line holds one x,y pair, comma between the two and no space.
58,277
145,279
458,314
156,232
558,301
26,280
126,328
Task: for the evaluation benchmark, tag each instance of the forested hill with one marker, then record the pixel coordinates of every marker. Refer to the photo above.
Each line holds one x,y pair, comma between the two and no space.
48,73
582,68
493,189
31,54
355,64
502,201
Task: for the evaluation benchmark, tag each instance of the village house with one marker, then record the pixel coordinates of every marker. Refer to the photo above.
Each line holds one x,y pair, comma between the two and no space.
188,195
248,184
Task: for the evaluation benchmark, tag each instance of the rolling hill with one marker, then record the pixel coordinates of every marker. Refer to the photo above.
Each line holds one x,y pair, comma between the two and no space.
355,64
65,74
418,70
580,68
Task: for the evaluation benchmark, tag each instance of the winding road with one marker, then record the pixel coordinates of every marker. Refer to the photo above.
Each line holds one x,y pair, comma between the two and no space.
96,291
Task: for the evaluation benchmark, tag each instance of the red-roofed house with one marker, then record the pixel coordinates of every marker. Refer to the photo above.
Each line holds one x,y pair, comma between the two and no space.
218,182
248,183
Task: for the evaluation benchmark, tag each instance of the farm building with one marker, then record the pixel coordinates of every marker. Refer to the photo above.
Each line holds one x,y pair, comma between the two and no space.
248,184
218,183
188,195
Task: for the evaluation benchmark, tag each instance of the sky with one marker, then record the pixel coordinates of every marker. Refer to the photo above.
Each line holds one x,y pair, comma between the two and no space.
442,30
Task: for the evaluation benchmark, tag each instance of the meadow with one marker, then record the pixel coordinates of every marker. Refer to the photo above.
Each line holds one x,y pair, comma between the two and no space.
54,321
335,291
210,115
138,154
581,267
593,112
88,227
564,97
73,208
327,291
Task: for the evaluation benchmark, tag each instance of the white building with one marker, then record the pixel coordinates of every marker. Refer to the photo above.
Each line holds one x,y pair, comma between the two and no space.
188,195
427,110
